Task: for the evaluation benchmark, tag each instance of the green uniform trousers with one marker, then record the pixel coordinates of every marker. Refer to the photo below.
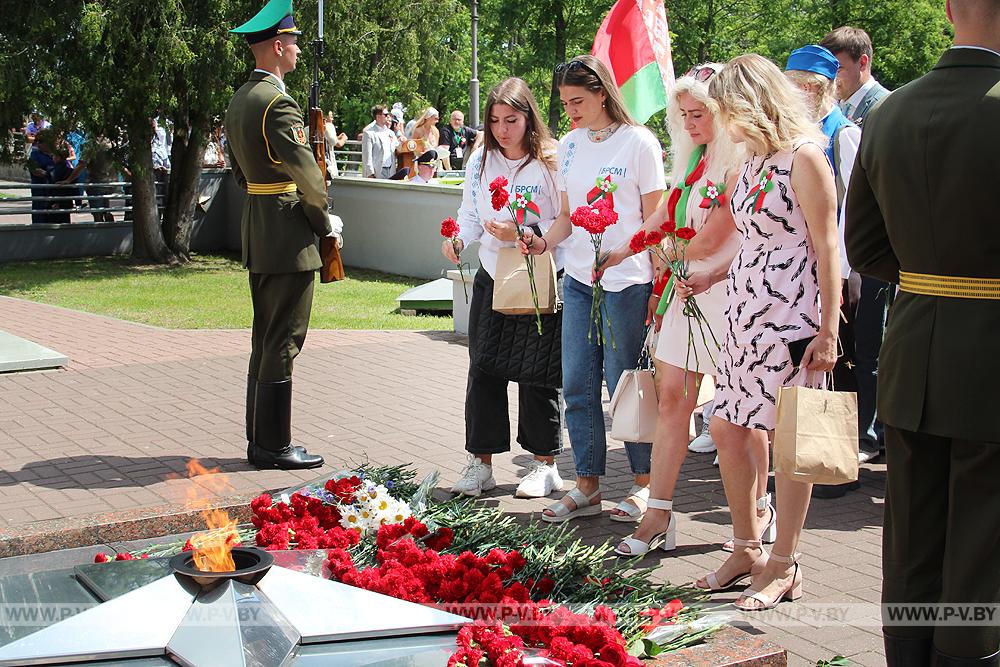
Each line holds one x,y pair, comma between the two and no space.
281,306
941,539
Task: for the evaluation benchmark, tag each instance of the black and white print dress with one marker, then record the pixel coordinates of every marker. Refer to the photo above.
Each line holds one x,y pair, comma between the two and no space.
772,294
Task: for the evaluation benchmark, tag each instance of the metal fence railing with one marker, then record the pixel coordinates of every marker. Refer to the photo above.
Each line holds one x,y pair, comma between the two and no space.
54,203
349,158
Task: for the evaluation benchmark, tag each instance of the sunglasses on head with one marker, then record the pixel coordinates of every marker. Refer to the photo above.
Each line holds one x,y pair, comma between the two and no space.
702,73
572,66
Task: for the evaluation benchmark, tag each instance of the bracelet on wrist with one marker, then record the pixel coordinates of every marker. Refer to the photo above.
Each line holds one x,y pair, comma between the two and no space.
546,244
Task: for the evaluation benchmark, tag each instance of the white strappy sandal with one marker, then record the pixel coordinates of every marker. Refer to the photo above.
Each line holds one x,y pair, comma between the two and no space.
792,592
561,513
632,513
667,540
770,533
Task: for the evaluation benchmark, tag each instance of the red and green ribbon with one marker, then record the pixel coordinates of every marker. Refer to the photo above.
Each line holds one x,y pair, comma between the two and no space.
603,189
713,195
759,191
523,205
677,207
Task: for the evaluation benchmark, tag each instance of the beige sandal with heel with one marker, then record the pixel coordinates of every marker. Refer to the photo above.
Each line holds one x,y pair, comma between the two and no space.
791,592
712,578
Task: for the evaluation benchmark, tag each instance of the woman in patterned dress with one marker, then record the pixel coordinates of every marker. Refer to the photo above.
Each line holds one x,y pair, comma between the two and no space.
783,287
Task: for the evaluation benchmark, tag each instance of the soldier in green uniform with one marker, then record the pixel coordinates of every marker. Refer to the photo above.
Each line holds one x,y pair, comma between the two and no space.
286,210
922,212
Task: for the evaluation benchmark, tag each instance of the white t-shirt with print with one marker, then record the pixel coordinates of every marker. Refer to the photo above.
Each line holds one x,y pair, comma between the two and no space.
477,208
633,159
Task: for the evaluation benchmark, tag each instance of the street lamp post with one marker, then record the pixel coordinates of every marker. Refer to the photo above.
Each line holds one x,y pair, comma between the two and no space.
474,83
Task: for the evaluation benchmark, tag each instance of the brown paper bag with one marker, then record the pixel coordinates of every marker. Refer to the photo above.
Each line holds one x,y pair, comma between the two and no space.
512,288
816,435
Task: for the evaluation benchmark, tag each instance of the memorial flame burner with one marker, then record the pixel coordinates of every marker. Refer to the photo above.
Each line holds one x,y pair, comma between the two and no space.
251,566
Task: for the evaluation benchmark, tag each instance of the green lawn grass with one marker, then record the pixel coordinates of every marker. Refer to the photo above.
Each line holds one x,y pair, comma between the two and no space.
210,292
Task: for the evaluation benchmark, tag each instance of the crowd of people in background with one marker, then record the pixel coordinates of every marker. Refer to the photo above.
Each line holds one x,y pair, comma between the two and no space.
393,150
91,172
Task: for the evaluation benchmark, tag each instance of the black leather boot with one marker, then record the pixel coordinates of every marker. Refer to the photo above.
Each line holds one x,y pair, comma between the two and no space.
251,402
907,651
272,445
942,660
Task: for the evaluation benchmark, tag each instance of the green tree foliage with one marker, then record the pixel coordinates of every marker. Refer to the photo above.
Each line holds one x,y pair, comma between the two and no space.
109,66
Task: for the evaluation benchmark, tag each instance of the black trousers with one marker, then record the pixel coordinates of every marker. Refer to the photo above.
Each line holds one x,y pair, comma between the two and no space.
487,420
941,539
869,329
282,303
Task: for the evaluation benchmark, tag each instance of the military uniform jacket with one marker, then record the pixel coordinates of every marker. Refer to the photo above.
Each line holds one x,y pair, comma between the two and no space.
923,199
286,206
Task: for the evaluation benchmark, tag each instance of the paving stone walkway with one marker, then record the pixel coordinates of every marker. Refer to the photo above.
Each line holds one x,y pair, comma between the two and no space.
113,431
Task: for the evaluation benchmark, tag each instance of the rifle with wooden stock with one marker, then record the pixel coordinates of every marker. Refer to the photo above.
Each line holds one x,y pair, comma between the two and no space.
329,246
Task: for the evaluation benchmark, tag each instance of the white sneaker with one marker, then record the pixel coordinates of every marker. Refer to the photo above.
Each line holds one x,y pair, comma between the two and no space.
476,478
542,480
703,444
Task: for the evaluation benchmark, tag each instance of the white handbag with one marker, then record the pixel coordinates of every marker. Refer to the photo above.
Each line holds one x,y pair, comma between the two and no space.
633,407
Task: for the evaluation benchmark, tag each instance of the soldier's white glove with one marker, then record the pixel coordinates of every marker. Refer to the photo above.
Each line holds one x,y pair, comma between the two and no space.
337,224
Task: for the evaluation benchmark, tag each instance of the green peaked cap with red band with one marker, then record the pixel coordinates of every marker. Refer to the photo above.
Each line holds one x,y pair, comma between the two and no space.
274,19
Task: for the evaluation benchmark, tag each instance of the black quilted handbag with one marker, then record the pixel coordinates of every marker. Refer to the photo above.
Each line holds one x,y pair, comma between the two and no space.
509,346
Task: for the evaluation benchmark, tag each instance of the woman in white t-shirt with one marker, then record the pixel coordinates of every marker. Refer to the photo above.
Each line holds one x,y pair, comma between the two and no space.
607,149
517,146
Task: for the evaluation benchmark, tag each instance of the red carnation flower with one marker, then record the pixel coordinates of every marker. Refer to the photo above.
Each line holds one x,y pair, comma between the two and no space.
102,557
668,227
498,183
614,654
449,228
638,242
686,233
655,237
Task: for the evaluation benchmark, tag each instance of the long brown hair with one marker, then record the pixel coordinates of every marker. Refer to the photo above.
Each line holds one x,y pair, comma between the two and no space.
588,72
516,94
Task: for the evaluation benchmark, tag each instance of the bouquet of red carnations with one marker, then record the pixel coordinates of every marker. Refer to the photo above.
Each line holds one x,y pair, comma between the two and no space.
595,220
519,206
675,258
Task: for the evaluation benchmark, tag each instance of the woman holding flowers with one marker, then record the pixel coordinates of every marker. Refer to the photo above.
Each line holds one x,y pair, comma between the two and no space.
784,296
517,151
612,168
705,163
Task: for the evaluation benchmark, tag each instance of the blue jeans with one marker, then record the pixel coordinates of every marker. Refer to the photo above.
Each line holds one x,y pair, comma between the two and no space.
586,363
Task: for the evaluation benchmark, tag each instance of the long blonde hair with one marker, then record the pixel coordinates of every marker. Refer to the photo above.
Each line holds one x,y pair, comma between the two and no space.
588,72
763,107
432,133
724,156
516,94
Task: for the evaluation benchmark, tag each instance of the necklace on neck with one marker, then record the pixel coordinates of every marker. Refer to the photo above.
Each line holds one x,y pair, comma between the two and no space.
602,135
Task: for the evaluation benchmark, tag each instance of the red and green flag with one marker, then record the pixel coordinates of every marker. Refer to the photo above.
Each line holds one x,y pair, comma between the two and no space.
634,42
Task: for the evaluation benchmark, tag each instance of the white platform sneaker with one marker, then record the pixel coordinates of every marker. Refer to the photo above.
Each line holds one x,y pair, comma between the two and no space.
540,481
476,478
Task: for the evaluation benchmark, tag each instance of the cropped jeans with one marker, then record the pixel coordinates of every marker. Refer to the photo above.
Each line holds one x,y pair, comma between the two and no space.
586,363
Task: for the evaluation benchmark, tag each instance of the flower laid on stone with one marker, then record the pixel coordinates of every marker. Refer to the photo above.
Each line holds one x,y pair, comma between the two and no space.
102,557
